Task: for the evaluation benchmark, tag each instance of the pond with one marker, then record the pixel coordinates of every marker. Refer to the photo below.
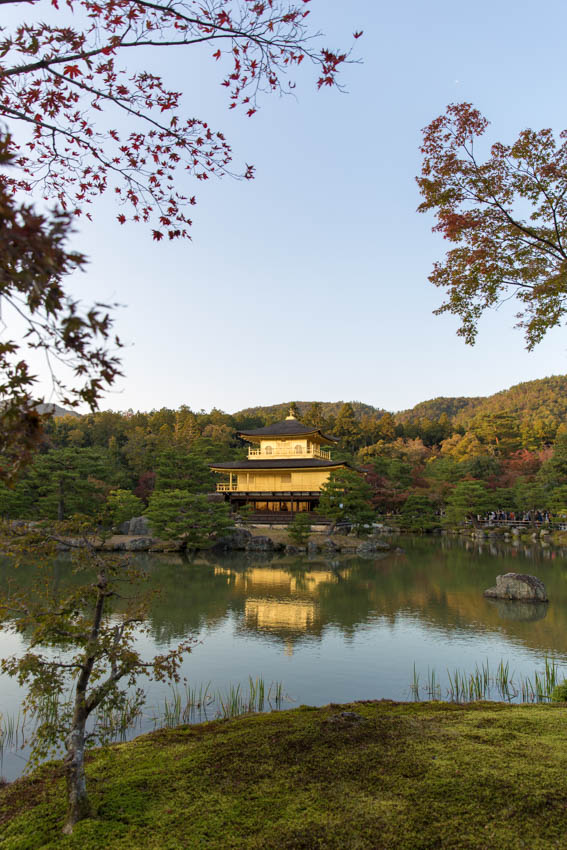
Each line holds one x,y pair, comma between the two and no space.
340,629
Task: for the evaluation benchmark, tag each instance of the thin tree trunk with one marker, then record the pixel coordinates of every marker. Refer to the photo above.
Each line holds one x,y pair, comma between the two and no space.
79,806
60,501
78,800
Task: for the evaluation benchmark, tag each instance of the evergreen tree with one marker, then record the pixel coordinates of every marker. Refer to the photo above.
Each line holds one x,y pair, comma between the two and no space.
499,432
179,470
70,481
346,497
314,416
530,496
554,470
466,501
387,428
418,513
347,428
122,505
300,528
186,429
189,518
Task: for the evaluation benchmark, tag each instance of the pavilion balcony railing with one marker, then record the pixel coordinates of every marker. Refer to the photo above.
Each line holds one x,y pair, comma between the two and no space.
277,453
262,487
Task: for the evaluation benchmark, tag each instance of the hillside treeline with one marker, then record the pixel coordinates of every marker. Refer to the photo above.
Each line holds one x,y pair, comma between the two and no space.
515,454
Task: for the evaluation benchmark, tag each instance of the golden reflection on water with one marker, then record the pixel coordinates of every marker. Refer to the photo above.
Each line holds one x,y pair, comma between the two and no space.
434,582
271,579
280,602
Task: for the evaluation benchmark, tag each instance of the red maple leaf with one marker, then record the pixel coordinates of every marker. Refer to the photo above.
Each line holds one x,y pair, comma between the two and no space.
72,71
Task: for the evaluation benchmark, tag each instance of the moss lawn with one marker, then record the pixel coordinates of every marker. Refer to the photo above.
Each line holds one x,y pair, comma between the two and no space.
348,777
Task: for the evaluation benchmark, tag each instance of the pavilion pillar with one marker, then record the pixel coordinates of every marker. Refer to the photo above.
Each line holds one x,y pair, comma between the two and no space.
230,474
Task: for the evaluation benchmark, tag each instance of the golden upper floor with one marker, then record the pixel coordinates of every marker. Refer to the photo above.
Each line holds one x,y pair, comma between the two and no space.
292,447
288,438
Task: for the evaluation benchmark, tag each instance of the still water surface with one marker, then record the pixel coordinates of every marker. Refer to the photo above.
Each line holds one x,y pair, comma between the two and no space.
341,629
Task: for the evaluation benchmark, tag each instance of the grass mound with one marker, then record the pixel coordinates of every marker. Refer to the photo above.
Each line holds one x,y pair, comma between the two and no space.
366,775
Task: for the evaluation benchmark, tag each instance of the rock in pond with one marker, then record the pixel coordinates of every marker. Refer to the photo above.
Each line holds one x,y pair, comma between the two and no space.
518,586
234,538
290,549
371,547
260,544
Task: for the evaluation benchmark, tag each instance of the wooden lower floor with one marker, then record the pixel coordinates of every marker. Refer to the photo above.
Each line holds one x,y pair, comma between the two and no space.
272,504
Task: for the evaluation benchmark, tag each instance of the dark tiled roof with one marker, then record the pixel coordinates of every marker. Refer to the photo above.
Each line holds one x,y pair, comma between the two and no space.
305,463
287,428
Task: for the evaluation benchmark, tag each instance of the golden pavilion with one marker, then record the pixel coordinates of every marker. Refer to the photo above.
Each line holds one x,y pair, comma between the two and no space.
286,467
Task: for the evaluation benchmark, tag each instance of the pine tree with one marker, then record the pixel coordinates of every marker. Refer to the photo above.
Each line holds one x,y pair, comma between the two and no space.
347,428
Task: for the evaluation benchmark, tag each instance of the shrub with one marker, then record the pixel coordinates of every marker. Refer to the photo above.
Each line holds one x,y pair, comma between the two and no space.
300,529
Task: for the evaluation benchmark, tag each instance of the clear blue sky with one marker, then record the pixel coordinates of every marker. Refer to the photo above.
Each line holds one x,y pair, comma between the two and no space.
310,282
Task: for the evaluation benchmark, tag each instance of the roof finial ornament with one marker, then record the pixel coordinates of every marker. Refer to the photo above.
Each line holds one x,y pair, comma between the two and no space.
291,414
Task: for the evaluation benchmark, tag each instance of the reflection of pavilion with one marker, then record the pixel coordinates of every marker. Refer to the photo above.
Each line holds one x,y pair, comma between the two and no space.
280,603
280,614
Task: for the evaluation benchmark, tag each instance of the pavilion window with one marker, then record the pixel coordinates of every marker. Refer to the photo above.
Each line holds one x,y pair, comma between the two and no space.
269,450
299,450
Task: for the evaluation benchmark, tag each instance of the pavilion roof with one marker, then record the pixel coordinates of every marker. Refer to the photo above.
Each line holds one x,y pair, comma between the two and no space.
304,463
287,428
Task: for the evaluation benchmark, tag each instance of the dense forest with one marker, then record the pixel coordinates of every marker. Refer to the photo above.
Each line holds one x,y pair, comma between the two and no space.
504,452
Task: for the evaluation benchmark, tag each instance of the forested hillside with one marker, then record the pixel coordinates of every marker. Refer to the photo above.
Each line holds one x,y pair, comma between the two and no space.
329,409
436,407
544,399
506,451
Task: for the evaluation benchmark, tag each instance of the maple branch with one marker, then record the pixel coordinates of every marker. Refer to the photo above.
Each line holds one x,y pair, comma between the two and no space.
228,32
533,176
496,203
45,64
124,172
117,101
219,32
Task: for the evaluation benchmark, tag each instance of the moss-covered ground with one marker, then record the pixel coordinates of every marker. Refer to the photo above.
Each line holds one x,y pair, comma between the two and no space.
367,775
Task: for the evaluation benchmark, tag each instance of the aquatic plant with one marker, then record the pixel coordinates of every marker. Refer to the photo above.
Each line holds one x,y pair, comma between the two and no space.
503,684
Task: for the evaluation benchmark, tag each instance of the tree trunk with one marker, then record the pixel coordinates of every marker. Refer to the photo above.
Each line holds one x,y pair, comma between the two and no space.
77,797
60,501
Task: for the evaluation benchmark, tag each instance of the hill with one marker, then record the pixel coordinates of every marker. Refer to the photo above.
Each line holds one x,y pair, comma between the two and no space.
544,399
56,410
436,407
275,412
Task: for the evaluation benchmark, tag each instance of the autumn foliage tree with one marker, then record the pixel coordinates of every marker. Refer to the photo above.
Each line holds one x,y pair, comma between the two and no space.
81,658
84,120
96,126
34,262
504,208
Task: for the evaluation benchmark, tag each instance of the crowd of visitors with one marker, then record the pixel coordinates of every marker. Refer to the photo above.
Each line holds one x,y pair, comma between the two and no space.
516,516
